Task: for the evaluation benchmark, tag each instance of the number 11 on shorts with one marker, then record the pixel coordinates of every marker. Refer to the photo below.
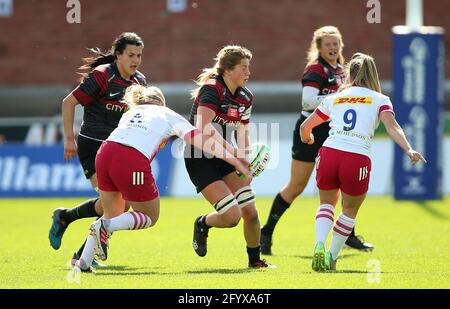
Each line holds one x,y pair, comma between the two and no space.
363,172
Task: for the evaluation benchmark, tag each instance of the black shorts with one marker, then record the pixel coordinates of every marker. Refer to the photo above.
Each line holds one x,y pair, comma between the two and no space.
305,152
204,171
87,150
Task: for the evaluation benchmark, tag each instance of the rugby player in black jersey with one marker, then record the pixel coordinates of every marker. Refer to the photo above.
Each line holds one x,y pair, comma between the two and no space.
222,108
99,92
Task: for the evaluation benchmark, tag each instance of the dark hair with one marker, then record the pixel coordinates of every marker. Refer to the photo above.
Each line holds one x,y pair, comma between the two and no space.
117,48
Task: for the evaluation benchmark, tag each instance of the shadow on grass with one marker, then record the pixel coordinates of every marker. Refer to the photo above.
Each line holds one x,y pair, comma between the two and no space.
348,271
118,268
129,271
425,205
137,273
341,256
224,271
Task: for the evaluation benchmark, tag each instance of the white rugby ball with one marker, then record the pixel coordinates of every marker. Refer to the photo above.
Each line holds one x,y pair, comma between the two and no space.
258,158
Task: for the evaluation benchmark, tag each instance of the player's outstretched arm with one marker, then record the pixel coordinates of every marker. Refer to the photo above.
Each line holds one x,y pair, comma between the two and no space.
204,123
306,128
396,133
213,147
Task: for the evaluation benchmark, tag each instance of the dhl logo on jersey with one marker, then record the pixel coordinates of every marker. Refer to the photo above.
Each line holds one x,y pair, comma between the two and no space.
353,100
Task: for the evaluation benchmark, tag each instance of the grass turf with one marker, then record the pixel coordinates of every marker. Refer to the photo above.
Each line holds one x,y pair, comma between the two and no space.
411,241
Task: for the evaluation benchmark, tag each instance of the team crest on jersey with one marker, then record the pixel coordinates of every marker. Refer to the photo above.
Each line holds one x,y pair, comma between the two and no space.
232,112
352,100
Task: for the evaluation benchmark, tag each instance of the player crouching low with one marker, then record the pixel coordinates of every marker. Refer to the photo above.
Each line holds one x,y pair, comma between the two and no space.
124,172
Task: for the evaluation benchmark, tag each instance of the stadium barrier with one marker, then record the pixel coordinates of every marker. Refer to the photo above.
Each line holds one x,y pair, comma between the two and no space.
40,171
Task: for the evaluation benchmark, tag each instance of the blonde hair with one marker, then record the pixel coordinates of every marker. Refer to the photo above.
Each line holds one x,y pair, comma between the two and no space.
226,59
138,94
316,42
362,71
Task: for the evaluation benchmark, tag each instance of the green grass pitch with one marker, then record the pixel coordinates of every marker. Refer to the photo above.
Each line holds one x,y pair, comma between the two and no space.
412,249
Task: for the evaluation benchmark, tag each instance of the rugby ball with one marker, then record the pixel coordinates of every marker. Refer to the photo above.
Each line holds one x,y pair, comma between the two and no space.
258,157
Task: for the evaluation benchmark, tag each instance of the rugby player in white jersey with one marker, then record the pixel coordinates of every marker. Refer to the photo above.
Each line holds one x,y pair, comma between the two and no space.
124,172
343,163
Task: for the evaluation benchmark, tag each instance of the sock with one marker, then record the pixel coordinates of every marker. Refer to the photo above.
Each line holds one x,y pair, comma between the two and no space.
202,223
253,254
324,222
80,251
84,210
279,206
87,256
341,230
133,220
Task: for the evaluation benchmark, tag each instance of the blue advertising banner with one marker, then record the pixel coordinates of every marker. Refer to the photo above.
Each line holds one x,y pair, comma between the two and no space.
418,75
40,171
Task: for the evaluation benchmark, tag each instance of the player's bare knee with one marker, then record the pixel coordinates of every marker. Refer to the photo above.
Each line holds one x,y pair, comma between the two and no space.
233,221
253,219
229,215
250,214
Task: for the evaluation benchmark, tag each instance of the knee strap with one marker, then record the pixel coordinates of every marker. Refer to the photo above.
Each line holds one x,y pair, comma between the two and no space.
224,204
245,196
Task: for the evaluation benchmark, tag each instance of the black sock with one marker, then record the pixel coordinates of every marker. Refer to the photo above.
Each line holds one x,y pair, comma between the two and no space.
202,223
279,206
84,210
352,233
253,254
80,251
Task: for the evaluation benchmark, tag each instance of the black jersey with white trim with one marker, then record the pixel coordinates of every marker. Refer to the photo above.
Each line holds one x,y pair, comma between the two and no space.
100,93
230,109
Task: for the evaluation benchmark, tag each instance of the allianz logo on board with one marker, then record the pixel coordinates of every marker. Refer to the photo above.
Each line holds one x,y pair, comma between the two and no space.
18,174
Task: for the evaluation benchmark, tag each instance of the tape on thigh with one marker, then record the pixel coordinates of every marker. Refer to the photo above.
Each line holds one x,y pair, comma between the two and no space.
245,196
224,204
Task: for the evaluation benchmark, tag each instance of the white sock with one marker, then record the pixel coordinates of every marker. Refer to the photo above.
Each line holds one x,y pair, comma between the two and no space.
87,256
133,220
324,222
341,230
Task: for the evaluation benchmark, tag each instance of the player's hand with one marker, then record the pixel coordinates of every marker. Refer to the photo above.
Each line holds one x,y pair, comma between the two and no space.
70,149
415,156
243,171
310,140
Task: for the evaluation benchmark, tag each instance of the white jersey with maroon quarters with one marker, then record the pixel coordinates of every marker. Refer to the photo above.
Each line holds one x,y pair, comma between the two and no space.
354,116
148,127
